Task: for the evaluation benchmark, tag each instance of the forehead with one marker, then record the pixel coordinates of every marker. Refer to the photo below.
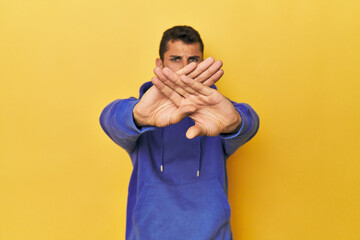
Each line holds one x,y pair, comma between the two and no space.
179,48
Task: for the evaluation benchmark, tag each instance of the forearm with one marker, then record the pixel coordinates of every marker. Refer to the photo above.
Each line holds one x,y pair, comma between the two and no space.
117,121
248,128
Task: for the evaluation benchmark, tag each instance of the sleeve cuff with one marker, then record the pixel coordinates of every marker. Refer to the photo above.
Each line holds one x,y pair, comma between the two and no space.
131,122
234,135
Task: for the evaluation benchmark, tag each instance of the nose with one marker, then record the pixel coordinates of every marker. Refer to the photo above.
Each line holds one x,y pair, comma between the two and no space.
183,63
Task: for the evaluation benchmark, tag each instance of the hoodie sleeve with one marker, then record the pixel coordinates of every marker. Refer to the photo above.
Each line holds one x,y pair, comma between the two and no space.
118,123
248,129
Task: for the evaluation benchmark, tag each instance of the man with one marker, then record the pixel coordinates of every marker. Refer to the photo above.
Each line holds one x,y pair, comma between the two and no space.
179,136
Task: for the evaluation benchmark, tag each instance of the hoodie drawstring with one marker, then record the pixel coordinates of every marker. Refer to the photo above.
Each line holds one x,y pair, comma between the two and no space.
199,159
162,149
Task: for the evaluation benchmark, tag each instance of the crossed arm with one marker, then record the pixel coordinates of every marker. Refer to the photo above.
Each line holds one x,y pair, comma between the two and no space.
187,92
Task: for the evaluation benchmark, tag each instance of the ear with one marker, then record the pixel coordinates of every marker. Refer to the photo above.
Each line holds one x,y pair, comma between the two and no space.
159,63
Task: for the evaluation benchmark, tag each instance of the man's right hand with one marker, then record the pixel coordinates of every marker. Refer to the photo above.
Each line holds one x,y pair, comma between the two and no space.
154,109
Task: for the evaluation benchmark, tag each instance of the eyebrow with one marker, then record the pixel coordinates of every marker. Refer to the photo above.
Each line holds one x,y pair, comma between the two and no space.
177,56
194,57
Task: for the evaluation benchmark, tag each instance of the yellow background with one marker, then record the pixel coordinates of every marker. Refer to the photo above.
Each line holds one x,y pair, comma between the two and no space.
296,62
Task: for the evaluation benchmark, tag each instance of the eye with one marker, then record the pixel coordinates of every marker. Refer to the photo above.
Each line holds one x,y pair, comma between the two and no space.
193,60
175,59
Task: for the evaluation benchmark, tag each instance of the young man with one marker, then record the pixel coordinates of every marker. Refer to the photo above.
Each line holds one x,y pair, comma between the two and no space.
179,136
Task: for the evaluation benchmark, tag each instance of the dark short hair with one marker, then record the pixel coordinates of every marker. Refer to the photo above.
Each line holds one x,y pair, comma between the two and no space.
185,34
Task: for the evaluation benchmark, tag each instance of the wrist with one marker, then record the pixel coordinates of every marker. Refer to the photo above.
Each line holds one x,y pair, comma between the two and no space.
235,125
138,118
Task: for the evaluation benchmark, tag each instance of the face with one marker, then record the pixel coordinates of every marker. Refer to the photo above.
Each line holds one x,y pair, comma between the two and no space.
180,54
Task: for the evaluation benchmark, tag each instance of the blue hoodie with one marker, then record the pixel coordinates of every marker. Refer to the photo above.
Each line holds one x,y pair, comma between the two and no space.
178,187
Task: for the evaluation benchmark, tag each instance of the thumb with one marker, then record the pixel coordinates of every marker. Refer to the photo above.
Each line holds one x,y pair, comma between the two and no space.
182,112
193,131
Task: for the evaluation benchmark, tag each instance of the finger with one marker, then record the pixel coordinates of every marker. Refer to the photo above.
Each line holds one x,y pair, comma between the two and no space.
196,86
182,112
194,131
170,83
177,84
209,72
187,69
214,78
166,91
201,67
192,66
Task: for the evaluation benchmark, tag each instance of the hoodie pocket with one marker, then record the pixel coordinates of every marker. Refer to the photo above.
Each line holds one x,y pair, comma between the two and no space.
189,211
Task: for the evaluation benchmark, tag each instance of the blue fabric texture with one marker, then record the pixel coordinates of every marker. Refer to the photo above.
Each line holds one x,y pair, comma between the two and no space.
178,187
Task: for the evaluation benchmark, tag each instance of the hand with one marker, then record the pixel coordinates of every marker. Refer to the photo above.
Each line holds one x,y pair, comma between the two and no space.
211,111
155,109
